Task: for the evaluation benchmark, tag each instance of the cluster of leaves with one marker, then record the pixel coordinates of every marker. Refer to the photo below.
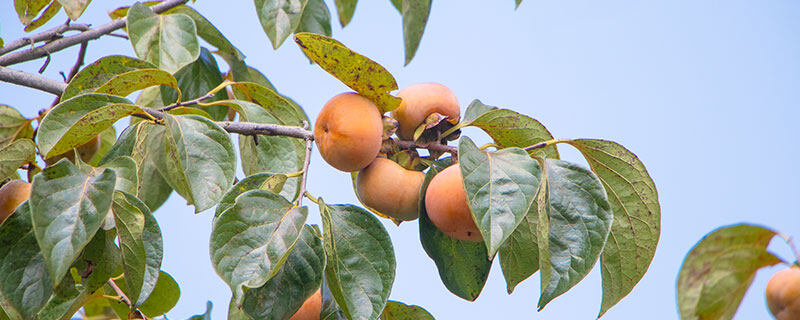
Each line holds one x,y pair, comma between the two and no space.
86,223
720,268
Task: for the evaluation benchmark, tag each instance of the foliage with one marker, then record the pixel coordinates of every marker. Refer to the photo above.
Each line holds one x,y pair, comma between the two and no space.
89,237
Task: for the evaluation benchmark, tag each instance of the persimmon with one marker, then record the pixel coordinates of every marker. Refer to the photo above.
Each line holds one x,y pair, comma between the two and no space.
349,131
783,294
391,189
86,151
446,205
310,309
12,194
420,101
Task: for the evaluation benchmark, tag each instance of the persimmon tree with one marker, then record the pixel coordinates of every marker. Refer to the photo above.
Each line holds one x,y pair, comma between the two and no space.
84,237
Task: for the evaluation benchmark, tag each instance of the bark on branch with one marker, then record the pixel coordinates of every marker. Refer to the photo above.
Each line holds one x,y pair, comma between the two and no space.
31,81
66,42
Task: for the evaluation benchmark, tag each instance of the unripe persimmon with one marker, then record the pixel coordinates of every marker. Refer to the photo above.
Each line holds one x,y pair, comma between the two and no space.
783,294
390,189
349,131
12,194
86,151
446,205
420,101
310,309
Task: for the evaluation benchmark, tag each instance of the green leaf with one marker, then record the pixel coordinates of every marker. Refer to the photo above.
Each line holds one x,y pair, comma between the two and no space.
415,17
148,152
101,71
330,309
101,259
74,8
500,188
209,33
580,221
519,256
125,169
279,18
13,126
141,243
196,80
462,265
27,10
78,120
168,41
316,18
251,240
270,153
301,275
360,266
354,70
205,316
720,268
15,155
509,128
400,311
200,160
345,9
637,226
398,5
107,139
260,181
129,82
26,285
68,206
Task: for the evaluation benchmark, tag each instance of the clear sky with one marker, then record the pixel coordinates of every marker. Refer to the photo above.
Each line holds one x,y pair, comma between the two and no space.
706,93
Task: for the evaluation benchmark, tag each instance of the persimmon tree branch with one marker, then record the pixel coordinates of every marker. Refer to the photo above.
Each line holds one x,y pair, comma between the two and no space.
47,35
31,81
66,42
122,296
244,128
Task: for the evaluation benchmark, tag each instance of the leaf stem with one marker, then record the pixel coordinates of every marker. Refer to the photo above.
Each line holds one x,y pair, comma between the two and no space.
789,241
310,197
187,103
307,161
544,144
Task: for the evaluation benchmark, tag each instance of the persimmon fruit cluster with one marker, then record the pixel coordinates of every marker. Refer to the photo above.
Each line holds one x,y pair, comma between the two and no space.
783,294
349,133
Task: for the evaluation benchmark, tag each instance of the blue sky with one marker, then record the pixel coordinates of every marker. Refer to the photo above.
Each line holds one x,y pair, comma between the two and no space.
706,93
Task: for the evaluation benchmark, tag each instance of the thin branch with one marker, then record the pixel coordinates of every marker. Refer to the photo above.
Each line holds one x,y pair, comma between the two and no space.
309,145
123,298
66,42
31,81
249,128
79,62
119,35
433,146
186,103
52,34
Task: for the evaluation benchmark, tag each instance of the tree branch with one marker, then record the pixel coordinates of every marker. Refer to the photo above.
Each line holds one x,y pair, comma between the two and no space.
186,103
31,81
66,42
249,128
433,146
46,35
123,298
79,63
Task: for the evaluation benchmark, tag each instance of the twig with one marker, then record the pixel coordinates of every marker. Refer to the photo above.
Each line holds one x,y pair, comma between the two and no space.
433,146
31,81
123,298
309,145
79,62
46,35
789,241
119,35
186,103
44,66
66,42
